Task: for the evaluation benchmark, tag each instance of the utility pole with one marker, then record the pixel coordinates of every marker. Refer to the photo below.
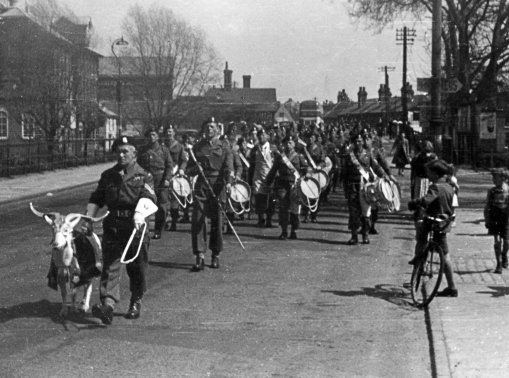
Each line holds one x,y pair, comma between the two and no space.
406,37
386,94
436,73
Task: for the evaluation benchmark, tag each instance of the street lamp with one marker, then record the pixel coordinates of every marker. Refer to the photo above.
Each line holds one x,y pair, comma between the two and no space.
119,42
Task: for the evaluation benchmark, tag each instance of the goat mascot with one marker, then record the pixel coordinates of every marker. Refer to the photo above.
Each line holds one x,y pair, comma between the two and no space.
76,258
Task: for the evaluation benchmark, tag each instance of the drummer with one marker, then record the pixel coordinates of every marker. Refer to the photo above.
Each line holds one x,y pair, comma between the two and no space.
180,159
289,164
355,173
317,153
379,156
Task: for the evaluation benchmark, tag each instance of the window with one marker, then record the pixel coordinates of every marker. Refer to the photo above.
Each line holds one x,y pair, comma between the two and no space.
29,128
4,125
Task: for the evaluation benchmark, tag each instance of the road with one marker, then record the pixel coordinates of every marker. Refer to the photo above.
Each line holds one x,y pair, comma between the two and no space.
313,307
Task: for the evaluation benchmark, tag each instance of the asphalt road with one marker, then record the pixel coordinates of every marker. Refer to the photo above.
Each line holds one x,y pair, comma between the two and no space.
314,307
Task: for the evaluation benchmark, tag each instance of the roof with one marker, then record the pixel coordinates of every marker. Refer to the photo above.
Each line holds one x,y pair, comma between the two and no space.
243,95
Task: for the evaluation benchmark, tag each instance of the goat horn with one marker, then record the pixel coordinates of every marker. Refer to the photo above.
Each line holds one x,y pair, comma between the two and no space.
39,214
96,219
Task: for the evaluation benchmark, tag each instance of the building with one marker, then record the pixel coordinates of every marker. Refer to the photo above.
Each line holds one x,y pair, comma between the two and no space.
48,78
311,111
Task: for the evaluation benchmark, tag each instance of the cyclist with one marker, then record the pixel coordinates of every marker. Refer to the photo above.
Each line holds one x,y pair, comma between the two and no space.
496,216
438,204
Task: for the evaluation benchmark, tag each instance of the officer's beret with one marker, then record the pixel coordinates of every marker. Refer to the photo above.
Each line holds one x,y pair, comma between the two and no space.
209,120
122,141
150,130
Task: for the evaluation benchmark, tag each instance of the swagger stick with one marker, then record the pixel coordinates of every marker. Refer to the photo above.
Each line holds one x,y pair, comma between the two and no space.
214,196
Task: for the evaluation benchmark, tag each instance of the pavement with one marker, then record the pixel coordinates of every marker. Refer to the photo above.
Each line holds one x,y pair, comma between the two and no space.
468,333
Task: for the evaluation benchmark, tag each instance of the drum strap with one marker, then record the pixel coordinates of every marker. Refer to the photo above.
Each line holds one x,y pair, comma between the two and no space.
290,165
359,167
244,160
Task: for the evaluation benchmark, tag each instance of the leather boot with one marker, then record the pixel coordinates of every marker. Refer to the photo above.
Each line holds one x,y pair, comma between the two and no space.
498,257
354,239
214,264
504,256
174,213
306,218
313,217
268,222
134,311
200,264
284,234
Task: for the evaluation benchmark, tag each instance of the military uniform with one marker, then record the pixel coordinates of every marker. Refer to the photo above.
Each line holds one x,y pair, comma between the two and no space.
156,159
379,157
317,153
216,159
180,157
120,190
289,208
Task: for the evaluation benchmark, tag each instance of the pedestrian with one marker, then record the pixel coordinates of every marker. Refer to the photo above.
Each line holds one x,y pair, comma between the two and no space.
496,216
261,161
179,158
214,167
401,150
359,168
418,174
125,189
289,165
437,203
156,159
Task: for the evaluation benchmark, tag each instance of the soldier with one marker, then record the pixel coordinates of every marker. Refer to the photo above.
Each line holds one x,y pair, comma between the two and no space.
231,139
356,172
288,164
155,158
317,154
180,158
261,160
214,170
125,189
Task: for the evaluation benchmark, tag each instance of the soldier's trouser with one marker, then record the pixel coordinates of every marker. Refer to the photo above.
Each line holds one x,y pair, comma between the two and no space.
162,200
358,210
204,207
264,204
287,206
113,247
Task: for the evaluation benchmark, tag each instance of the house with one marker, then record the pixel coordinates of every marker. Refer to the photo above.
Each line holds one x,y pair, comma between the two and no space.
48,79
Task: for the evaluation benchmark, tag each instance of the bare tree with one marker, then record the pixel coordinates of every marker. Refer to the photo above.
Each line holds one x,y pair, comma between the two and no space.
475,36
172,59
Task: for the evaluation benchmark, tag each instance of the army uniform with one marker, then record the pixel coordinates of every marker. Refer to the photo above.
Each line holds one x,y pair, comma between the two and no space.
496,214
216,159
236,174
379,157
120,190
180,158
289,208
156,159
317,153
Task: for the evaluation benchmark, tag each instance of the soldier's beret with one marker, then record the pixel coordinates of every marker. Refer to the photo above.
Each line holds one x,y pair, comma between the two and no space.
260,131
122,141
232,127
150,130
208,121
170,128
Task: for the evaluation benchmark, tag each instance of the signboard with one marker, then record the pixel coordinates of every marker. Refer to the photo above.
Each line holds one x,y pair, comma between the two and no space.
488,126
446,85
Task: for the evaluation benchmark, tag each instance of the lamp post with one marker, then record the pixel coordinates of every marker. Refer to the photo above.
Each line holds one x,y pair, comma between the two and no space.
119,42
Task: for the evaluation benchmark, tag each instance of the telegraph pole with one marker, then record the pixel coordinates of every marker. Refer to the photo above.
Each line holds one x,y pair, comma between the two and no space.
436,73
386,92
406,36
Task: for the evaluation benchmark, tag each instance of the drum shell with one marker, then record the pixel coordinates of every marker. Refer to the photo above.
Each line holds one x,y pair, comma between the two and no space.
306,191
181,186
240,192
322,177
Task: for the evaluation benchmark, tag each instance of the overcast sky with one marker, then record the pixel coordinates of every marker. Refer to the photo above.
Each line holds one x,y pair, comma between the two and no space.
303,48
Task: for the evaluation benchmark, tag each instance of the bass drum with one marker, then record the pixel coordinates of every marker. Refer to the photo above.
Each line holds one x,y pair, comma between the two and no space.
240,196
307,192
322,177
182,189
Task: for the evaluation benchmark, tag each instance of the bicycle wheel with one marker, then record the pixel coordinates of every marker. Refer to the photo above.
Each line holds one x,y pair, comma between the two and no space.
427,276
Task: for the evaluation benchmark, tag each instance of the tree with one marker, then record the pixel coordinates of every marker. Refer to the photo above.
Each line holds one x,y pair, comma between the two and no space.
171,59
475,37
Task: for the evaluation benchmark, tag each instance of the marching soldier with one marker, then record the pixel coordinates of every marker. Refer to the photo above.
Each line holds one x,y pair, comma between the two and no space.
155,158
289,165
126,189
214,167
261,161
180,158
317,154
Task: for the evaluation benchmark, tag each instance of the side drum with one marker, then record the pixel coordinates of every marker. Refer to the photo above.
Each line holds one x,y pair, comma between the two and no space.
240,196
182,189
308,192
322,178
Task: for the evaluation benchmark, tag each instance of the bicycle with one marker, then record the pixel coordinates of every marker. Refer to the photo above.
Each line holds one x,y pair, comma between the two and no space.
429,269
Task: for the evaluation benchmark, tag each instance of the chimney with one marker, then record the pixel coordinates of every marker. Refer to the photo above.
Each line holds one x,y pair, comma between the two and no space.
409,92
247,81
364,95
227,78
359,97
381,93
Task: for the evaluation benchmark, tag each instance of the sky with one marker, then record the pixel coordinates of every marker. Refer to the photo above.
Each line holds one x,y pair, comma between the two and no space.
306,49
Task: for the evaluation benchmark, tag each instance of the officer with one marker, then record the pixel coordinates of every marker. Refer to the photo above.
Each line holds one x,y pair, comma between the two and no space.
180,157
289,164
126,189
214,170
155,158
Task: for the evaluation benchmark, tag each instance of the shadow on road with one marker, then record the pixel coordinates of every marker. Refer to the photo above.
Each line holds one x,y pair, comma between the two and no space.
498,291
170,265
391,293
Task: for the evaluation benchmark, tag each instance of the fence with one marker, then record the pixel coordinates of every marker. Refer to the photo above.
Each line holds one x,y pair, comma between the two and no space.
39,155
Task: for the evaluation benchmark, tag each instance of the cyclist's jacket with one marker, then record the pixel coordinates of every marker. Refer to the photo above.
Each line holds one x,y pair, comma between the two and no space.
438,200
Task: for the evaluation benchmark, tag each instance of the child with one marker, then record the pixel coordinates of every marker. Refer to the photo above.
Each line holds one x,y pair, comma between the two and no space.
496,215
437,203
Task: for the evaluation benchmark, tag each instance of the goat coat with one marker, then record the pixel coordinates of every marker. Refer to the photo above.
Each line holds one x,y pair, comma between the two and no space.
86,262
